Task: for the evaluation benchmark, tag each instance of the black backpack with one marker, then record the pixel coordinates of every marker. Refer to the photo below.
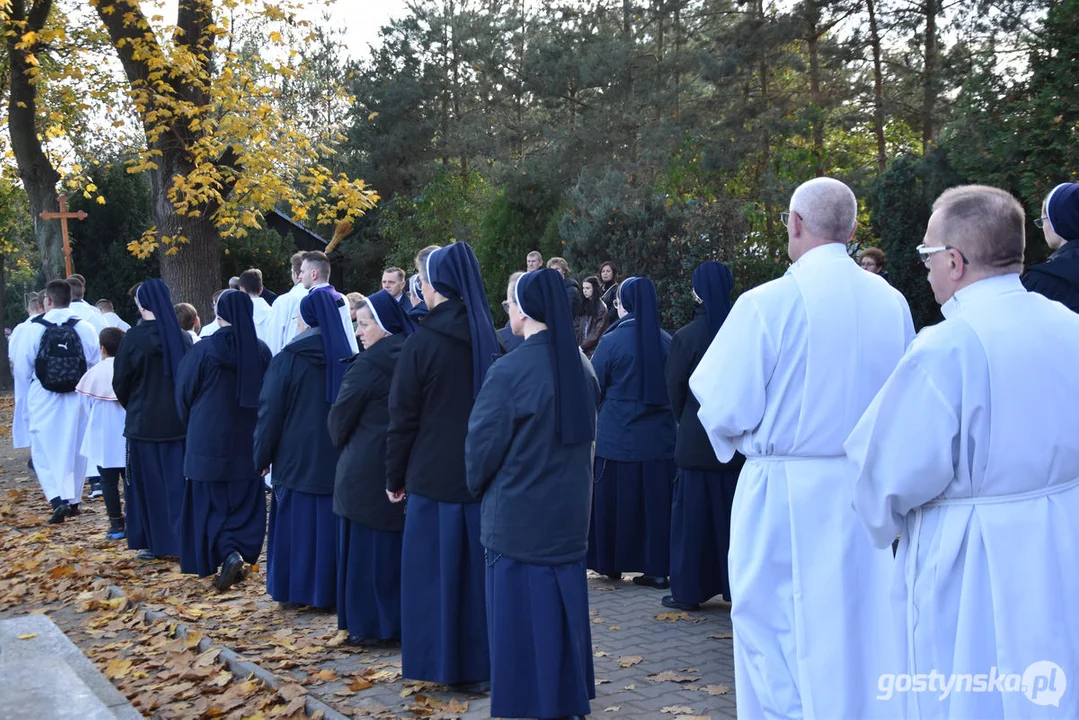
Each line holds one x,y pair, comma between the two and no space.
60,362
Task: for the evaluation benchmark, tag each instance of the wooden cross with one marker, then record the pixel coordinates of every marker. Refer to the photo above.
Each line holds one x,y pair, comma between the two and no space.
63,216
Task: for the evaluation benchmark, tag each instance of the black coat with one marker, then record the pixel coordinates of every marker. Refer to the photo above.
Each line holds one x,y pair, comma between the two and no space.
537,492
268,295
220,433
692,449
357,425
291,429
1058,277
141,386
573,293
430,401
508,339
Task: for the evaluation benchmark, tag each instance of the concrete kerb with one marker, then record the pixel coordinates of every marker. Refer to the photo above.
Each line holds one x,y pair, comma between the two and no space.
232,660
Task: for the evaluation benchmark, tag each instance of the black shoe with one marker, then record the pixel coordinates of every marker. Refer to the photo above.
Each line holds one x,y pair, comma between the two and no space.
670,602
472,688
659,583
73,509
95,490
116,531
231,572
60,510
614,576
146,555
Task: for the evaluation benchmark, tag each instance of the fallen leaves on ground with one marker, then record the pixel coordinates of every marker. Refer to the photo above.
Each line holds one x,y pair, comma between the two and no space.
629,661
716,689
672,676
721,636
683,616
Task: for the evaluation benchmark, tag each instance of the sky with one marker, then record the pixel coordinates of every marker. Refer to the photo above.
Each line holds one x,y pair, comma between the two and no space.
362,20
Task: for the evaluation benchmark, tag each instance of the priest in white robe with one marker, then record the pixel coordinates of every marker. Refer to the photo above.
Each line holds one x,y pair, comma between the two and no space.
285,311
20,420
56,419
970,452
785,380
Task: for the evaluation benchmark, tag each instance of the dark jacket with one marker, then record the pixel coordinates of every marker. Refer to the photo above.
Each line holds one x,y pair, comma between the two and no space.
1058,277
537,492
610,294
141,386
508,339
357,425
268,295
291,429
629,430
220,433
573,292
430,401
693,450
590,328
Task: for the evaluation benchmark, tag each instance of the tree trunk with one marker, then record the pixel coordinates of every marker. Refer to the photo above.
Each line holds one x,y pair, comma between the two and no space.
6,381
878,87
813,33
930,79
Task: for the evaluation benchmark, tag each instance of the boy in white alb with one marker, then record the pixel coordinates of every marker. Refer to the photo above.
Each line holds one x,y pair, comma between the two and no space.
103,444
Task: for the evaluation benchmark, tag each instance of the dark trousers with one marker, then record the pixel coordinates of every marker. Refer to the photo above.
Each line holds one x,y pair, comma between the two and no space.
110,491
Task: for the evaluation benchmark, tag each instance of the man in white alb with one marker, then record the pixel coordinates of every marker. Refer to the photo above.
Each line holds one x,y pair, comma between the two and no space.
286,309
970,451
262,312
20,421
788,375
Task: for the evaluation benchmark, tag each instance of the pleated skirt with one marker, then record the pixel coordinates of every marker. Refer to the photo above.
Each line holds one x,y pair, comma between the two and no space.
301,549
541,639
631,517
219,518
154,494
701,534
368,581
443,605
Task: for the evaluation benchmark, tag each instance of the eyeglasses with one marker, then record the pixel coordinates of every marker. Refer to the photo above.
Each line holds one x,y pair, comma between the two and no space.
1040,222
505,306
926,251
785,217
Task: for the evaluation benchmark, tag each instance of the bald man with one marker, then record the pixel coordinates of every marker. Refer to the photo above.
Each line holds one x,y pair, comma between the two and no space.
786,379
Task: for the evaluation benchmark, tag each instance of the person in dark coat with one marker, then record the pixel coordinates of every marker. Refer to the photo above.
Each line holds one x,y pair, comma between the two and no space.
608,278
442,366
217,397
1058,277
704,488
634,467
143,379
529,456
369,526
300,386
593,320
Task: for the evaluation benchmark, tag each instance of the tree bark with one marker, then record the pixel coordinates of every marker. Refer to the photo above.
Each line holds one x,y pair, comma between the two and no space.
878,87
929,84
6,381
38,176
813,33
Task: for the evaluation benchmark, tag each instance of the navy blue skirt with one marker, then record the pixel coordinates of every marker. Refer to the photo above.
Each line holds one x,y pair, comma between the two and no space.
701,534
541,639
218,518
368,581
631,517
154,494
443,606
301,549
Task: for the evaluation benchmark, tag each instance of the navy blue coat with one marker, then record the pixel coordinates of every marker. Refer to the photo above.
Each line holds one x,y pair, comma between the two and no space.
537,492
357,425
220,433
291,430
1058,277
629,430
143,389
508,339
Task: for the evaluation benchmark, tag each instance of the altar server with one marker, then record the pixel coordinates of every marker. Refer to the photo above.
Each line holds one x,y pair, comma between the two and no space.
20,421
704,490
285,311
217,392
144,375
785,380
297,392
969,451
634,467
442,366
529,456
369,525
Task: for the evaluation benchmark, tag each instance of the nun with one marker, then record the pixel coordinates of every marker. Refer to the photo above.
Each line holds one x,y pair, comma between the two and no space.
301,384
634,466
529,456
442,366
217,397
704,488
144,380
369,526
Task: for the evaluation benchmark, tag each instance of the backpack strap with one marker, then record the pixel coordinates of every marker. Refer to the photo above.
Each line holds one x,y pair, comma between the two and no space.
72,321
40,319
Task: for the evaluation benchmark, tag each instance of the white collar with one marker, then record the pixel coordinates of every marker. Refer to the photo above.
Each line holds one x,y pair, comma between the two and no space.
983,289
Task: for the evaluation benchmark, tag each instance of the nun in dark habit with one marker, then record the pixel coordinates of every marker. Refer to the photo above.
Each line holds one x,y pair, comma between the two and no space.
634,468
369,525
529,456
299,388
704,489
143,379
217,396
442,366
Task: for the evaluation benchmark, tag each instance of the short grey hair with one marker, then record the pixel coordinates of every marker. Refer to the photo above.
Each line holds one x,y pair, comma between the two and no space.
827,207
985,223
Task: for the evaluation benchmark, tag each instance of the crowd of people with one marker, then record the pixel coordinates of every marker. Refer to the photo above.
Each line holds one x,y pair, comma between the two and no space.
874,505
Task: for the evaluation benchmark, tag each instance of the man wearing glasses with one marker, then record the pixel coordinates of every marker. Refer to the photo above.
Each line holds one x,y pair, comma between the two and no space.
970,451
1058,277
787,377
